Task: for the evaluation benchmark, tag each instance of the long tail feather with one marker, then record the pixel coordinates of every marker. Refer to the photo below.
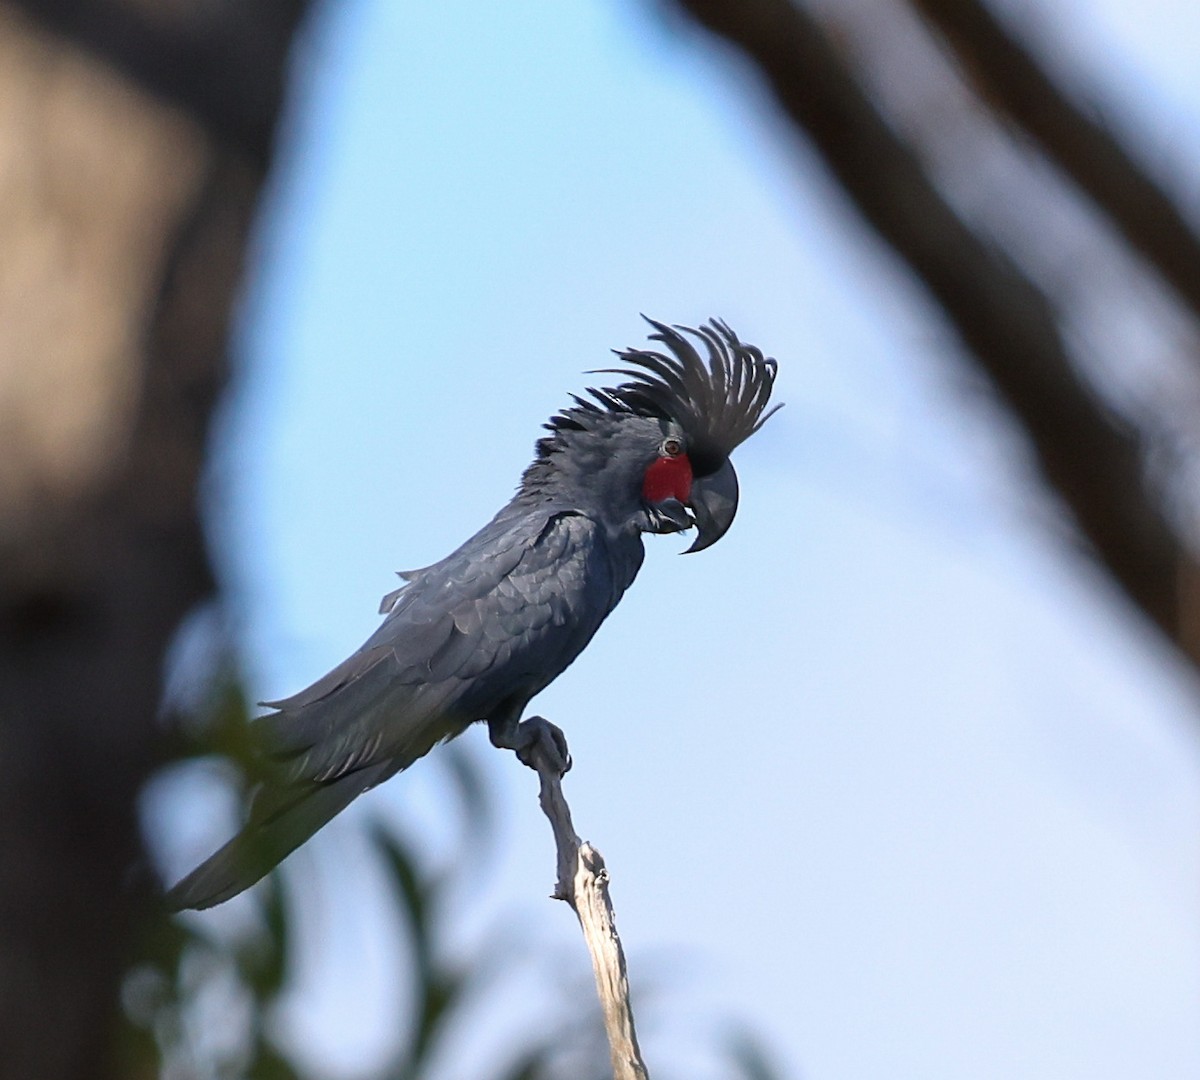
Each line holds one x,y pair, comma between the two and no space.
280,821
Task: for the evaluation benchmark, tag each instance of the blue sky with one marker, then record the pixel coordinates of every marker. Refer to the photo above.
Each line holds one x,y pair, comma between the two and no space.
889,772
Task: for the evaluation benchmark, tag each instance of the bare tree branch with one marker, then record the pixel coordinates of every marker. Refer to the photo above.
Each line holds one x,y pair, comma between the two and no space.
1010,79
1086,453
583,883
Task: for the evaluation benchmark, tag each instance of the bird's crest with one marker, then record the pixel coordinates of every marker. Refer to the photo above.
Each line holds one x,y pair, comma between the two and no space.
719,403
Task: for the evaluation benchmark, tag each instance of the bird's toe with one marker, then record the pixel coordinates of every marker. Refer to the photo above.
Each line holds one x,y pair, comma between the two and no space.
542,741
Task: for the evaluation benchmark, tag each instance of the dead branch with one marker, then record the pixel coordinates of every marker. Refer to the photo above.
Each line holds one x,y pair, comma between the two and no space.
583,883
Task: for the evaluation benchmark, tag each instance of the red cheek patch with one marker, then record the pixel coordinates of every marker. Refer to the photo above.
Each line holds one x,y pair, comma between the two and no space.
668,478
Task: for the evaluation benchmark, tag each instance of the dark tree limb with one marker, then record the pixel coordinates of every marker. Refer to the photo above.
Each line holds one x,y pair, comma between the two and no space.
583,883
1011,80
1086,453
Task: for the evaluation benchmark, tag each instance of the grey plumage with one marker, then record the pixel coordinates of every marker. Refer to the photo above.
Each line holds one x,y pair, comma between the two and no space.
478,634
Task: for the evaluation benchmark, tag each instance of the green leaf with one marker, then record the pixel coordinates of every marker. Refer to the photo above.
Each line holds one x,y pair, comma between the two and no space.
263,960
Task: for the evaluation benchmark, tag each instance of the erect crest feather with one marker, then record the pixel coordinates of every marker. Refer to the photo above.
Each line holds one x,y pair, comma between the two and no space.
719,401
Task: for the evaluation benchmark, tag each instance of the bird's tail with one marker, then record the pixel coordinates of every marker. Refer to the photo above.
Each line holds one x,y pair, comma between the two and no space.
281,820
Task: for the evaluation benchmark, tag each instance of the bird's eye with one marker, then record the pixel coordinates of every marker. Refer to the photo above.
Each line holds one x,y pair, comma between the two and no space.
672,447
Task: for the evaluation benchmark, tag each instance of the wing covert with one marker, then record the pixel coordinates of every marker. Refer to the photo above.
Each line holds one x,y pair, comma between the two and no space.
495,622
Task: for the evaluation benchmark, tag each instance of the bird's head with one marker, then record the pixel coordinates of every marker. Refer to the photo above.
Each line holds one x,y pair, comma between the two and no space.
654,450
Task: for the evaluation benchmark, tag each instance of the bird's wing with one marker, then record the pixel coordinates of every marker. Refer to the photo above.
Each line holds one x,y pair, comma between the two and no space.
484,629
490,625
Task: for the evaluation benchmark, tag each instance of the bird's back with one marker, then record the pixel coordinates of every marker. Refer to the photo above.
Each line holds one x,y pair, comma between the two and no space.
485,628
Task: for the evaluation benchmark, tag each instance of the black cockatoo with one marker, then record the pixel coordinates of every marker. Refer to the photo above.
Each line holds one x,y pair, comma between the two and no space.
477,635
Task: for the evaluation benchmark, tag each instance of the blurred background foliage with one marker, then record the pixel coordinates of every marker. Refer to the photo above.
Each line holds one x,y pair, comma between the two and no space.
198,999
136,140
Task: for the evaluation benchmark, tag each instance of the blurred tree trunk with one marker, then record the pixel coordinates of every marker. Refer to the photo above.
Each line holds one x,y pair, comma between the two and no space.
133,142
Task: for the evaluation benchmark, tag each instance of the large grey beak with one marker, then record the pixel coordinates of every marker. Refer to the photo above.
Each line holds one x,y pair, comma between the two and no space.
714,501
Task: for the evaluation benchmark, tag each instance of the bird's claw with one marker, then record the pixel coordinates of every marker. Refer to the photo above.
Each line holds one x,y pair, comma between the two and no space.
539,740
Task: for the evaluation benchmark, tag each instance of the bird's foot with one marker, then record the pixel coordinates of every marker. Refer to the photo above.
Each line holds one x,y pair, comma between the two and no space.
534,741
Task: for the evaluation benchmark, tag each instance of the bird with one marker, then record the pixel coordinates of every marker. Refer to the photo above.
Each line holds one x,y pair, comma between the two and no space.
475,636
